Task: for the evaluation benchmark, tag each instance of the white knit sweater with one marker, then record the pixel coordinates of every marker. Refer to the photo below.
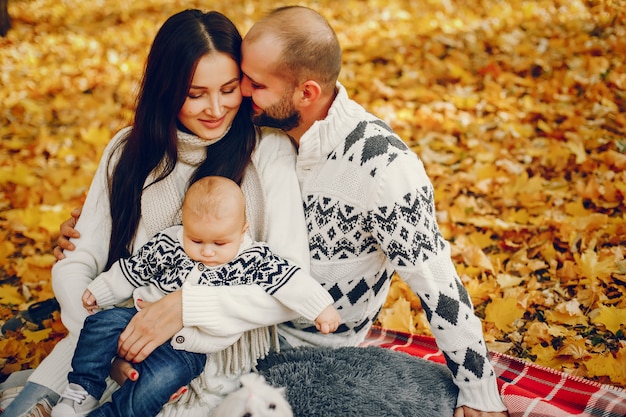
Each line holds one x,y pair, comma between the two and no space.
370,211
274,209
159,267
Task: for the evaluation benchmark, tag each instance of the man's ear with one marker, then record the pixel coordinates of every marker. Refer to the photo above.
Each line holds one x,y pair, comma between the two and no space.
309,92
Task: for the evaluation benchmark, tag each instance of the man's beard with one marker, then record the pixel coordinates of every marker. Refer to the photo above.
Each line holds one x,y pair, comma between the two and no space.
281,115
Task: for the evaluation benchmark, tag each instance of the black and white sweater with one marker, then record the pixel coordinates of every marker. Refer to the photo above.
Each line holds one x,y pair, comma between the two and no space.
370,210
161,266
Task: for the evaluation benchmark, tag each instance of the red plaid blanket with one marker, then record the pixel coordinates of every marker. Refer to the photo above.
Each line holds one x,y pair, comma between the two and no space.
527,389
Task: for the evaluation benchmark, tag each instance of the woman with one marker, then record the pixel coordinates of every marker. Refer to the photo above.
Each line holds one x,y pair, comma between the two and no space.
190,122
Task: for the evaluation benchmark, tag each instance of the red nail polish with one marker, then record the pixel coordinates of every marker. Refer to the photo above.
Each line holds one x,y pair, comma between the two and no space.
133,376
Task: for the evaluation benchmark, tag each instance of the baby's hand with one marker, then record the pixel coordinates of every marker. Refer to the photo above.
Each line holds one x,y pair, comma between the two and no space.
89,302
328,321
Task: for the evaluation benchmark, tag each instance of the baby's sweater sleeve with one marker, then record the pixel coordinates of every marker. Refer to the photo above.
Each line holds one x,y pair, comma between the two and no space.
304,295
111,287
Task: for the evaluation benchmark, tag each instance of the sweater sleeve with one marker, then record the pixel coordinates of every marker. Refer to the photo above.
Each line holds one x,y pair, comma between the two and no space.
248,307
304,295
194,339
111,287
71,275
421,256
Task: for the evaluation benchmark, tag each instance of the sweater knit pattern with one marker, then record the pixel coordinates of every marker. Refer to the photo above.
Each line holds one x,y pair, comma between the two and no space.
370,212
162,262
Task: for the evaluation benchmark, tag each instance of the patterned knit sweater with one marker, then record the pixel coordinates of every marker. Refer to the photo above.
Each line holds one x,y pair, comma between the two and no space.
369,208
161,266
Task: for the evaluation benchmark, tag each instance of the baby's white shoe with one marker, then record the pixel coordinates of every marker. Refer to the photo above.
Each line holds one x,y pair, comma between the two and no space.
74,402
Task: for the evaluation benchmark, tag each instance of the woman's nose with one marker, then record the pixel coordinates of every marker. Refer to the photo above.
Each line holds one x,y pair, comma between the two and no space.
214,106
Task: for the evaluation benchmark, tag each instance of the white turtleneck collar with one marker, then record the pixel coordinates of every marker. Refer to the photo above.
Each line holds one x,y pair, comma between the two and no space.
325,135
192,149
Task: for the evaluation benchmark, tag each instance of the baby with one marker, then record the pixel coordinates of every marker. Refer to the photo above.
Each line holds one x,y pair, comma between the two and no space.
210,248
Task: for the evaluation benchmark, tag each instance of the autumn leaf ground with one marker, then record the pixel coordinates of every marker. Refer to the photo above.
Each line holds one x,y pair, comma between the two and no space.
518,110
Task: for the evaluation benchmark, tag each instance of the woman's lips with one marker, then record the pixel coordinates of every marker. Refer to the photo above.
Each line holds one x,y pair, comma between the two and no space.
212,124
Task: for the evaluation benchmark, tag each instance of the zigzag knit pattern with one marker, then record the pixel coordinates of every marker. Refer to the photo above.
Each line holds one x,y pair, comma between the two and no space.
162,262
405,230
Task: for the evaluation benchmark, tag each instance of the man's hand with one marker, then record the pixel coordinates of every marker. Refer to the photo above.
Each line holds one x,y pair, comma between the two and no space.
465,411
152,326
67,232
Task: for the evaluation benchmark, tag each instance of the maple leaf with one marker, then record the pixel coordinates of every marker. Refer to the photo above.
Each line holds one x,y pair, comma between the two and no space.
503,312
608,365
398,316
10,295
36,336
611,317
593,267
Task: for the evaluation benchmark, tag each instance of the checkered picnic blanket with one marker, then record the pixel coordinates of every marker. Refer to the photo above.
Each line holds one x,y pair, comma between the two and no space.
528,390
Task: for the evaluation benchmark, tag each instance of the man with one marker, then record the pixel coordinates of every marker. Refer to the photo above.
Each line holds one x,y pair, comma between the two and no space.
369,204
369,208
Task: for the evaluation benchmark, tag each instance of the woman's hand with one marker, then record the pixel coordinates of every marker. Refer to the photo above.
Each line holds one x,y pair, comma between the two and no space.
152,326
67,232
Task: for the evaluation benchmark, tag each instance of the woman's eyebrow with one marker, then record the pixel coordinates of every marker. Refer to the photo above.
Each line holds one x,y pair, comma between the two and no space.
200,87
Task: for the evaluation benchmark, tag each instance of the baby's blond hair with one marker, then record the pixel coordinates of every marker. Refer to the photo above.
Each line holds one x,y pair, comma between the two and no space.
218,197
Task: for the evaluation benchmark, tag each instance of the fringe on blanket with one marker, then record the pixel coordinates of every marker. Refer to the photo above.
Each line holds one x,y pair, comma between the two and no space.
240,357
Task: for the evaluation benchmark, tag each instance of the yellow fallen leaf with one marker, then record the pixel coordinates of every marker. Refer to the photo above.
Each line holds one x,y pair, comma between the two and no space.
593,266
607,365
575,350
611,317
10,295
503,312
558,317
36,336
398,316
508,280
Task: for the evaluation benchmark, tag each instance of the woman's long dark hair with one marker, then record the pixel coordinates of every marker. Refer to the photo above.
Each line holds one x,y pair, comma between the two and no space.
152,144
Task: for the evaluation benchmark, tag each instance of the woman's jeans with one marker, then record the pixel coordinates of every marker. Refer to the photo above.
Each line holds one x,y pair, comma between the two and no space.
28,398
163,372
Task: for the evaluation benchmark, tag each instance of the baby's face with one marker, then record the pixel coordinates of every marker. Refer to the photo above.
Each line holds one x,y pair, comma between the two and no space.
210,241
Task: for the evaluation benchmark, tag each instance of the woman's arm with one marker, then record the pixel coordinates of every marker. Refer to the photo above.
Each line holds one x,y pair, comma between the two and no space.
71,275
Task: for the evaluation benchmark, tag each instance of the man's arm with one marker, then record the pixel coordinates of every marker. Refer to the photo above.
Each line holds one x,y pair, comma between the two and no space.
67,231
421,256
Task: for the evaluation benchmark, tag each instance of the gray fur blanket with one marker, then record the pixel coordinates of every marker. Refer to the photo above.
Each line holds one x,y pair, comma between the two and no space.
360,382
